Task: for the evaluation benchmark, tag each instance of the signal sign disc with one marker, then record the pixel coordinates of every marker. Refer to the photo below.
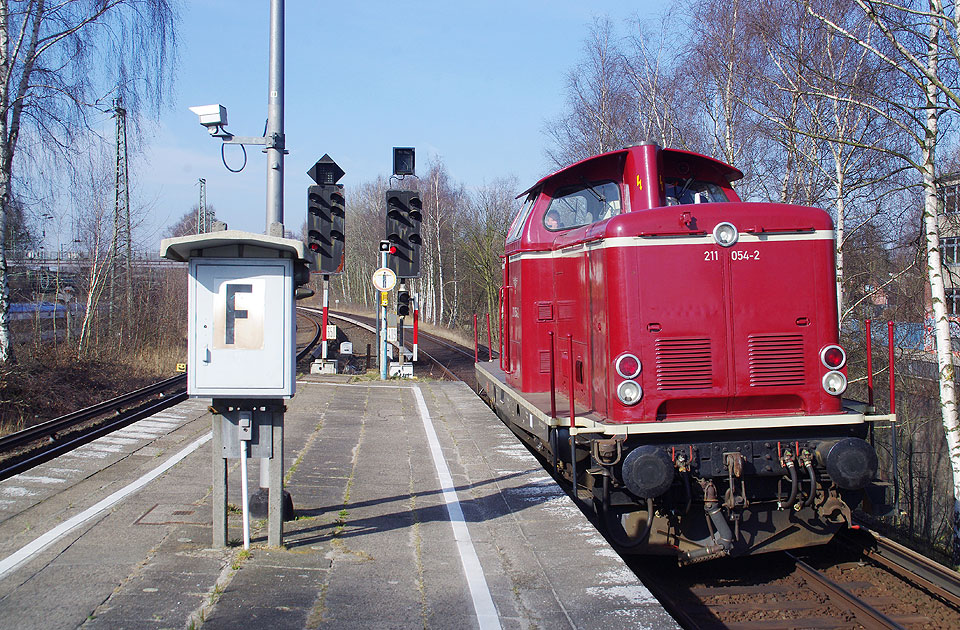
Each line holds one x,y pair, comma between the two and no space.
384,279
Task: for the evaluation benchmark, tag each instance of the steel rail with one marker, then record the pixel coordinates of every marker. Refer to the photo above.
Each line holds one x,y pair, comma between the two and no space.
371,329
55,449
919,570
866,615
434,338
51,427
117,405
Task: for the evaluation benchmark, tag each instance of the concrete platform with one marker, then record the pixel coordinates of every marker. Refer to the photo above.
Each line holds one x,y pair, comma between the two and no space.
416,508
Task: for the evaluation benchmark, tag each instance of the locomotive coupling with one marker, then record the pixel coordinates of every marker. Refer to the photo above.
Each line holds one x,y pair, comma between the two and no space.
648,471
850,462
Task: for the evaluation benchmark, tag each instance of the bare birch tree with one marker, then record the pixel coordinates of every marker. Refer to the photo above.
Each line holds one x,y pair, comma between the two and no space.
806,97
602,112
663,106
56,59
489,219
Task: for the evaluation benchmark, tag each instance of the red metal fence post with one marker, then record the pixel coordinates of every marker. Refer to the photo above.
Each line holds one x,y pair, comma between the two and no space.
489,340
869,365
476,342
894,434
893,403
572,391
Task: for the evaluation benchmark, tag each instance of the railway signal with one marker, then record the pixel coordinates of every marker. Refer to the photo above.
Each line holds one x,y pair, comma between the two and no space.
301,276
326,216
404,214
404,161
403,302
325,226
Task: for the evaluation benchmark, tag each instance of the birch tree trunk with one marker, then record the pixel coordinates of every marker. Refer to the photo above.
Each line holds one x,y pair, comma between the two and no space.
839,228
438,316
948,395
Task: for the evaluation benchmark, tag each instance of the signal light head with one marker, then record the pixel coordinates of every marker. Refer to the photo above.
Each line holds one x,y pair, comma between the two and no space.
404,161
833,357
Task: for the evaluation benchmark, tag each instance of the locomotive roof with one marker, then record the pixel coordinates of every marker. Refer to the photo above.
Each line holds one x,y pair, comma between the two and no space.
732,174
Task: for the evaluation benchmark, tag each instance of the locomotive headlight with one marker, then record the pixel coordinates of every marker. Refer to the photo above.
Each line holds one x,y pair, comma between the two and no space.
834,383
629,392
833,357
628,366
725,234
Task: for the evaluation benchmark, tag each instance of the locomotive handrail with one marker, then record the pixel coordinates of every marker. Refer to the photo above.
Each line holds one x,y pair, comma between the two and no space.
505,328
759,229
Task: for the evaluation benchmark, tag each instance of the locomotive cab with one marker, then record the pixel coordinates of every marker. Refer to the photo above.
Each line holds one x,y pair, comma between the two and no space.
689,343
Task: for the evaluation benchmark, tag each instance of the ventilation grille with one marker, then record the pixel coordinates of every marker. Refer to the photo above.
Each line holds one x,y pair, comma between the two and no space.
775,360
684,364
544,361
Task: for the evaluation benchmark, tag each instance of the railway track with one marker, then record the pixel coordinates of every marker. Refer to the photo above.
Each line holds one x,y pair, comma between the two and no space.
836,586
933,577
30,447
444,359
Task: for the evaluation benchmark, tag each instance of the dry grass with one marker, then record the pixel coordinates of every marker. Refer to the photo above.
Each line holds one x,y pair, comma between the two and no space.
48,381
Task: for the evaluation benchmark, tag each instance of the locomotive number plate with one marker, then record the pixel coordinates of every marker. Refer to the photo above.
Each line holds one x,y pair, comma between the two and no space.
744,255
713,254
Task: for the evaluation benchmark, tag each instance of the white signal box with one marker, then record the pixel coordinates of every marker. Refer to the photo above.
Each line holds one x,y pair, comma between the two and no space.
242,333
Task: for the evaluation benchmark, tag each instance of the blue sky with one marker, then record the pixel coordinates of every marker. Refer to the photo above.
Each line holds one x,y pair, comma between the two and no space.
470,83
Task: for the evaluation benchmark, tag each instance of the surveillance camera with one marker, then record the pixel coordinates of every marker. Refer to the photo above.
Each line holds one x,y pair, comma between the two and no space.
211,116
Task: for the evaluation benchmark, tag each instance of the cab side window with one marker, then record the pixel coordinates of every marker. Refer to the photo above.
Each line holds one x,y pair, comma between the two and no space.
587,203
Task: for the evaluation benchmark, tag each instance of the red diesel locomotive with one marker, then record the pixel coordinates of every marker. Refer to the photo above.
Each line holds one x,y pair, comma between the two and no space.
697,337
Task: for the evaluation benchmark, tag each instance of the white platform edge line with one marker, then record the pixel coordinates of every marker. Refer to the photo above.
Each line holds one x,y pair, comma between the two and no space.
371,385
39,544
486,612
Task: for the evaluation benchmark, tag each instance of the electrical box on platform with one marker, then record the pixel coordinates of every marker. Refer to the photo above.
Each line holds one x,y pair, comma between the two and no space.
241,330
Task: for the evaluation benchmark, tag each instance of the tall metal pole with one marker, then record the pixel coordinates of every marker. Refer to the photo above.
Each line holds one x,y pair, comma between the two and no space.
383,328
326,314
275,137
275,151
202,227
121,251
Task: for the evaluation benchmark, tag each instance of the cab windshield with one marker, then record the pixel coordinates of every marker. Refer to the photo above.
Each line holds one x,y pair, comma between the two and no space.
521,218
681,191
